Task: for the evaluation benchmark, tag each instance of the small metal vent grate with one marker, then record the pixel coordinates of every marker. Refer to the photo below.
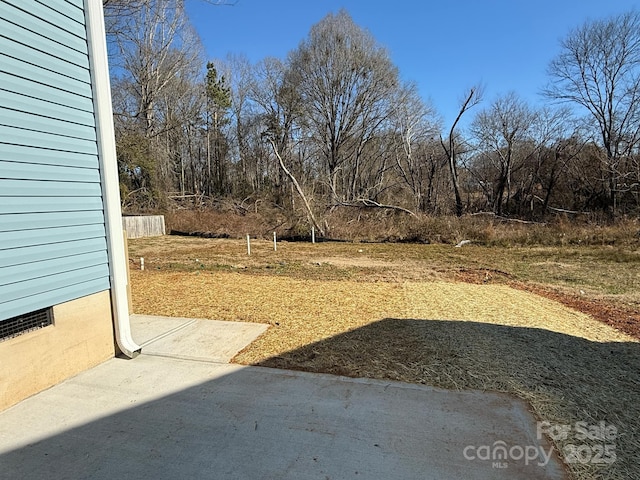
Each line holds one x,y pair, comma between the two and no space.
12,327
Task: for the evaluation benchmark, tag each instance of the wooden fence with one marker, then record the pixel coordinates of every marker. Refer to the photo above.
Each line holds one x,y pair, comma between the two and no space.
139,226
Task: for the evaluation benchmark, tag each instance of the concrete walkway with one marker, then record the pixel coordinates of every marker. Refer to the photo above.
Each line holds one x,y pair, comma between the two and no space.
175,412
192,339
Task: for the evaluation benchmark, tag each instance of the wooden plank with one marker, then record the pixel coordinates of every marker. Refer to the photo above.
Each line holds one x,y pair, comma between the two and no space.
30,171
139,226
18,223
15,49
19,136
43,107
37,123
79,4
46,236
37,253
53,15
41,156
52,282
65,9
38,188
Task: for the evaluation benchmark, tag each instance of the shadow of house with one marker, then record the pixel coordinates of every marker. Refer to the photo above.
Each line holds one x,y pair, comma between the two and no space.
159,417
566,379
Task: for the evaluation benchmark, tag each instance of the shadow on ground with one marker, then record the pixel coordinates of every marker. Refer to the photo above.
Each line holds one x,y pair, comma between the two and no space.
165,418
566,379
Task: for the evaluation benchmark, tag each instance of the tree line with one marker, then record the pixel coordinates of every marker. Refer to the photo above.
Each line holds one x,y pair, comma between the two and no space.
332,126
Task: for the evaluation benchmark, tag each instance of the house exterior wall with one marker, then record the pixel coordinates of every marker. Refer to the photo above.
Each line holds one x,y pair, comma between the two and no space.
80,338
52,234
53,240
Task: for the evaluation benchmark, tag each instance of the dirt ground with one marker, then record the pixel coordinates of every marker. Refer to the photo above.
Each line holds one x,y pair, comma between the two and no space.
429,316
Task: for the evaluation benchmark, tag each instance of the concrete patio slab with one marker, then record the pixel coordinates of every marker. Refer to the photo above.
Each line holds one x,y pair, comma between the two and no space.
147,328
206,340
165,418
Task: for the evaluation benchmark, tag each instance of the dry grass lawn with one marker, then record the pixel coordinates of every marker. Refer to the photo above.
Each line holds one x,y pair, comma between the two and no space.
387,312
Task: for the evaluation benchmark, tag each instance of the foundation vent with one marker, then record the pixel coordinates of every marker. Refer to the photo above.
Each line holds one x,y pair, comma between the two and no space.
12,327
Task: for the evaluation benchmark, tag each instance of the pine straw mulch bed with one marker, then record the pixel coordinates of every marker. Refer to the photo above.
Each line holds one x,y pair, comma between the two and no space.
625,319
569,366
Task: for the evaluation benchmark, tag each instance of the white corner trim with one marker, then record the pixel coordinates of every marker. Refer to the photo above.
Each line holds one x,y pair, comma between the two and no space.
107,159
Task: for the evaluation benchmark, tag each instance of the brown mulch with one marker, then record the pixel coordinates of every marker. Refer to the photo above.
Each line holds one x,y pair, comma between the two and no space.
626,320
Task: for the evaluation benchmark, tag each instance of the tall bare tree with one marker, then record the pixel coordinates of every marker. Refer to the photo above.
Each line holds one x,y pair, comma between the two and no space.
452,144
344,79
416,125
238,73
599,70
274,92
156,48
503,134
558,141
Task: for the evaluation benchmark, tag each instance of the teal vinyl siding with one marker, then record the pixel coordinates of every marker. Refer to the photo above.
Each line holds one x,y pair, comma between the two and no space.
20,170
30,225
39,123
30,254
47,23
53,246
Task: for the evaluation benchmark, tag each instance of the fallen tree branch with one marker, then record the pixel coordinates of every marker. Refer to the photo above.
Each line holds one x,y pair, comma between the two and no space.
505,219
298,188
367,202
560,210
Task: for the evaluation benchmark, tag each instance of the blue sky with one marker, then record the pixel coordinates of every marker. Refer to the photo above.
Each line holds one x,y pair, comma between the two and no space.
444,47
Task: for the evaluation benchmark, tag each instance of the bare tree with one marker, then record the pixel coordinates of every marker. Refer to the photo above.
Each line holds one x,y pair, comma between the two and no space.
274,92
416,125
503,135
558,141
133,6
344,79
599,70
157,49
154,47
114,9
297,186
238,72
451,145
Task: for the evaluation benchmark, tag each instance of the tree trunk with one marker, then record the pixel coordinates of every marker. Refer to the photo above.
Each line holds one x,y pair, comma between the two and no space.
295,183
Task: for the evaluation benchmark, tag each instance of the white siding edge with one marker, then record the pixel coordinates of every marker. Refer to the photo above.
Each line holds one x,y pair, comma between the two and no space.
101,89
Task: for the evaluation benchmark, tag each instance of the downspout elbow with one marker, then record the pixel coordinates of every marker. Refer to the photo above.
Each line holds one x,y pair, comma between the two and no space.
125,342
